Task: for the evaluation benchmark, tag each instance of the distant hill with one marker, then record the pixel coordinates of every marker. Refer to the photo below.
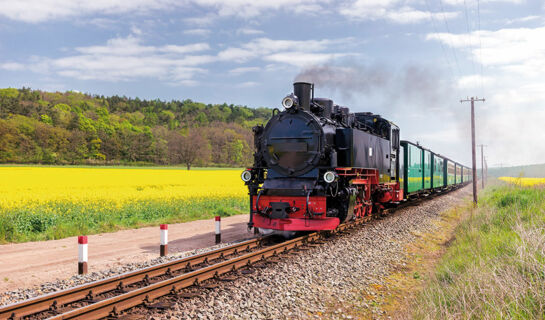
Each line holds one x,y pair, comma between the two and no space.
534,170
75,128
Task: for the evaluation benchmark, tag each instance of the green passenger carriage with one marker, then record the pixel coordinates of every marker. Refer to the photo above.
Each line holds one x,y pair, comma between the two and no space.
438,169
423,171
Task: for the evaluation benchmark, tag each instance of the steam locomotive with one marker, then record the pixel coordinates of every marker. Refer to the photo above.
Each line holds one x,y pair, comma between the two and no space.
317,165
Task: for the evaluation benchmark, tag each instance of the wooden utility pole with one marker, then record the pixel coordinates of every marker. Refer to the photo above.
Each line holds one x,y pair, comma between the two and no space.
486,170
474,161
482,164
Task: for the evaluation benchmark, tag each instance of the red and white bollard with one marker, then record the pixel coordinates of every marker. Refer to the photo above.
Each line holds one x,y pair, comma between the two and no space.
218,229
164,240
82,254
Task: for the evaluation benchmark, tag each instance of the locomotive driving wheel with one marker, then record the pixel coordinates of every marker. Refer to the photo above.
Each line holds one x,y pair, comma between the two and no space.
359,206
362,206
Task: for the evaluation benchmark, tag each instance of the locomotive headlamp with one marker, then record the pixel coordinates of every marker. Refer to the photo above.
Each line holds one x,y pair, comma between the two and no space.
330,176
290,101
246,175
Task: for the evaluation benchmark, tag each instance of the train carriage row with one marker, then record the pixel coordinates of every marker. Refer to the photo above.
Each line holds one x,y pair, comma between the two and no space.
422,170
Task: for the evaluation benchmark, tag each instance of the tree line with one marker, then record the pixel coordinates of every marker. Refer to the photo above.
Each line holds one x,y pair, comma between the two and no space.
75,128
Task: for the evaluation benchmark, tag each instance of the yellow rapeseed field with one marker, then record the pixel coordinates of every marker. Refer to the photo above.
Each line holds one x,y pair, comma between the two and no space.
22,186
524,182
54,202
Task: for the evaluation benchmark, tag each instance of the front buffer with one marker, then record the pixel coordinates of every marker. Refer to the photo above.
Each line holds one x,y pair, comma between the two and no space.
287,213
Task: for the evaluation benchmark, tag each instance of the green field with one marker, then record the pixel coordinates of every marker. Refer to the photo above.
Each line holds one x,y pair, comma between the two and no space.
495,267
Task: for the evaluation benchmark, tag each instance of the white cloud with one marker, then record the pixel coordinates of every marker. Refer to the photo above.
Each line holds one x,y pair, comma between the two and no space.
252,8
197,32
302,59
248,84
195,47
278,50
125,59
520,50
249,31
242,70
461,2
12,66
202,21
46,10
523,19
474,81
128,58
137,31
35,11
131,46
392,10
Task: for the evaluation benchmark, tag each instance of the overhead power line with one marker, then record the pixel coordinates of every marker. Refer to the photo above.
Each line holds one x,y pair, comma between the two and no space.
469,45
450,34
480,45
443,49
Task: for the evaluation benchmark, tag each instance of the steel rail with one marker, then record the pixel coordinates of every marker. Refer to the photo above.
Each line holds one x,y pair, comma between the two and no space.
90,290
113,306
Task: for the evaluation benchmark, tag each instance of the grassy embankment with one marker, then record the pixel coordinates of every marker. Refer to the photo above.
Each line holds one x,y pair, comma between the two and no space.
43,203
495,266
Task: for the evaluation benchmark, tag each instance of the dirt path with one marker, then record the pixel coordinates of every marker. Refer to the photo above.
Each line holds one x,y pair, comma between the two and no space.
27,264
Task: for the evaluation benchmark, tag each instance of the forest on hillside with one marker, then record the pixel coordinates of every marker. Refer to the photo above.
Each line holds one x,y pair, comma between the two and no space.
75,128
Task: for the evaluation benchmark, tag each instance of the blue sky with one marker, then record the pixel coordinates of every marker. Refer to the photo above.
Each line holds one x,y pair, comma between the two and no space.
409,60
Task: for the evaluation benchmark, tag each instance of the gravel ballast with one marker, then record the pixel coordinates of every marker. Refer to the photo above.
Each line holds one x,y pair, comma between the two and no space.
319,281
309,284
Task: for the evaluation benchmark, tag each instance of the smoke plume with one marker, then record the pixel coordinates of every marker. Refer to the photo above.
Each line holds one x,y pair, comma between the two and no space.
418,86
349,80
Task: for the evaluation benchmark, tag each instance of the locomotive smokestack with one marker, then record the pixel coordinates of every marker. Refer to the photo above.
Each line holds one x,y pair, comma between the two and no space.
303,90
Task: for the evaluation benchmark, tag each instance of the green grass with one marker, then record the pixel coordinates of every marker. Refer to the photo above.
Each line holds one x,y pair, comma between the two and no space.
495,268
56,220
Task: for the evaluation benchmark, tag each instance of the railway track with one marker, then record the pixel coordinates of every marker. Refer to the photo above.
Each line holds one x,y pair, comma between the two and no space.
108,298
111,296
